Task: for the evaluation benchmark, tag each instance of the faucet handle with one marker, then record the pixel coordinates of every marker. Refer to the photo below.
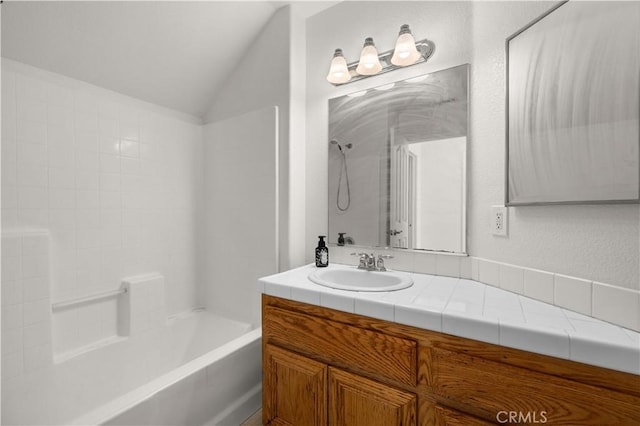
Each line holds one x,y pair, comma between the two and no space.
364,257
380,264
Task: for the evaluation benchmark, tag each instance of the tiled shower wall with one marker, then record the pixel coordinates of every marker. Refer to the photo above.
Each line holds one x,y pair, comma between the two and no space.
115,181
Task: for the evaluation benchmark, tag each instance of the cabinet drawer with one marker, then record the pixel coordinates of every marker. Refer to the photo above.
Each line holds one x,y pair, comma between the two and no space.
357,349
491,388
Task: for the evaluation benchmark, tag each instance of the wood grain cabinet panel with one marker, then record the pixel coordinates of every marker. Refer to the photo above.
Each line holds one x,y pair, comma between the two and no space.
515,395
357,401
341,344
449,417
294,389
325,367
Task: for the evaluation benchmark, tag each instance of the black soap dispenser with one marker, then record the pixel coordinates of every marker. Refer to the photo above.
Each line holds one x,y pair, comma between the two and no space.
322,253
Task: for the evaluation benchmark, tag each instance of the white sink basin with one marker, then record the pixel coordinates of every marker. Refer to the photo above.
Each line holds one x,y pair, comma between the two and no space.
361,280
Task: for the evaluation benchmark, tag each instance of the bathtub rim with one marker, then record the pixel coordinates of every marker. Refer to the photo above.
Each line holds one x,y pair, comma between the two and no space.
129,400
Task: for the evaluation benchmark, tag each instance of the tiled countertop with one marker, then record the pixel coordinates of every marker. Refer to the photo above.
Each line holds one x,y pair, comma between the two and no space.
473,310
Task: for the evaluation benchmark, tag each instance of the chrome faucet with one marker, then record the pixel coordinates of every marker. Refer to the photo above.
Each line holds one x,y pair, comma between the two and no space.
380,265
368,261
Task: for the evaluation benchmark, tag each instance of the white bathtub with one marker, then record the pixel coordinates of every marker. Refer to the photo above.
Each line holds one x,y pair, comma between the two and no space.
200,369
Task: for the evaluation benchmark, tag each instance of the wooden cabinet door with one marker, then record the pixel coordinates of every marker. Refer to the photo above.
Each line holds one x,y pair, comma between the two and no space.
295,391
357,401
450,417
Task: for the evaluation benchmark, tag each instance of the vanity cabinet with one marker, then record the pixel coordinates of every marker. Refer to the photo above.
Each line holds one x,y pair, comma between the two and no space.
304,392
325,367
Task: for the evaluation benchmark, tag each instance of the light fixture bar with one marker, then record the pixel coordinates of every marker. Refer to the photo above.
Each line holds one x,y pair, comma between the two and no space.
425,47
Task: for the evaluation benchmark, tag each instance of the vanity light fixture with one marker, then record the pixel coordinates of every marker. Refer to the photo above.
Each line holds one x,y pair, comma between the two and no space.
406,52
369,63
338,71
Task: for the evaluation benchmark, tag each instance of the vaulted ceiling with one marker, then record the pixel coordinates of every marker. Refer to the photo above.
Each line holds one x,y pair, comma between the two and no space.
176,54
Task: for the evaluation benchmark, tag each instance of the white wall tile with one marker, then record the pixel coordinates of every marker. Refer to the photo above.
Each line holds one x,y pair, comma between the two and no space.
572,293
30,133
109,145
60,138
12,317
109,163
37,311
9,172
11,291
512,278
36,266
29,109
33,217
37,357
538,285
33,198
32,175
489,272
129,148
12,365
448,266
616,305
12,341
11,247
37,334
62,156
35,289
60,116
61,177
466,270
87,160
424,263
342,255
9,198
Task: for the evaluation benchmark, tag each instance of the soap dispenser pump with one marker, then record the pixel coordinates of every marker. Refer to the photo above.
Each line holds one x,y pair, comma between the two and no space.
322,253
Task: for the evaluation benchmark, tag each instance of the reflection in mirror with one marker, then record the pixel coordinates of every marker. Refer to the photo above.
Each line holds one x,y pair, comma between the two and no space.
397,164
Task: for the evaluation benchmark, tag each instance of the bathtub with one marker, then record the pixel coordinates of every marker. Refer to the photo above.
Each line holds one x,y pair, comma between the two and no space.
200,369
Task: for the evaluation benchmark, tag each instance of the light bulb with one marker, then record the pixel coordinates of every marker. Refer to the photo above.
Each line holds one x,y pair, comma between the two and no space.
405,52
369,62
338,70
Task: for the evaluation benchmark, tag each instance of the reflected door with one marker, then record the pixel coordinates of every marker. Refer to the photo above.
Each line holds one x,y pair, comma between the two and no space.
402,195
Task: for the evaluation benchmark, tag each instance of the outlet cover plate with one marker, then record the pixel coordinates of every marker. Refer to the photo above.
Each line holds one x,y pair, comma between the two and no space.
499,220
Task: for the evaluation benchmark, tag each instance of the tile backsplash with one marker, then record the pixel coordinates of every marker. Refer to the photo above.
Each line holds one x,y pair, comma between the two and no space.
607,302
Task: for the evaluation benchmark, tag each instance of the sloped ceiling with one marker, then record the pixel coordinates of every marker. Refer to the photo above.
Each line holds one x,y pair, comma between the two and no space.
174,54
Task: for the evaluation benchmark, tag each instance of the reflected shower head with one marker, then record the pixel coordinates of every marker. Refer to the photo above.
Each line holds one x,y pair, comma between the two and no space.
335,142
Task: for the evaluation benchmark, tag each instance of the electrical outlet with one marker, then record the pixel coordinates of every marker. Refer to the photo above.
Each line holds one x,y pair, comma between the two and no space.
499,220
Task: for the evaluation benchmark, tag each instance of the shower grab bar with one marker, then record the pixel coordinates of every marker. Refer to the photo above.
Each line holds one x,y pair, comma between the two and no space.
80,300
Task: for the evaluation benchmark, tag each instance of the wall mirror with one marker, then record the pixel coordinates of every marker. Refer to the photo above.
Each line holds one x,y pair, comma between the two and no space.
397,164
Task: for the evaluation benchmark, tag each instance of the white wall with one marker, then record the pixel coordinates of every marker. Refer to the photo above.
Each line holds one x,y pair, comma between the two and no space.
241,228
114,180
441,192
262,79
599,243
